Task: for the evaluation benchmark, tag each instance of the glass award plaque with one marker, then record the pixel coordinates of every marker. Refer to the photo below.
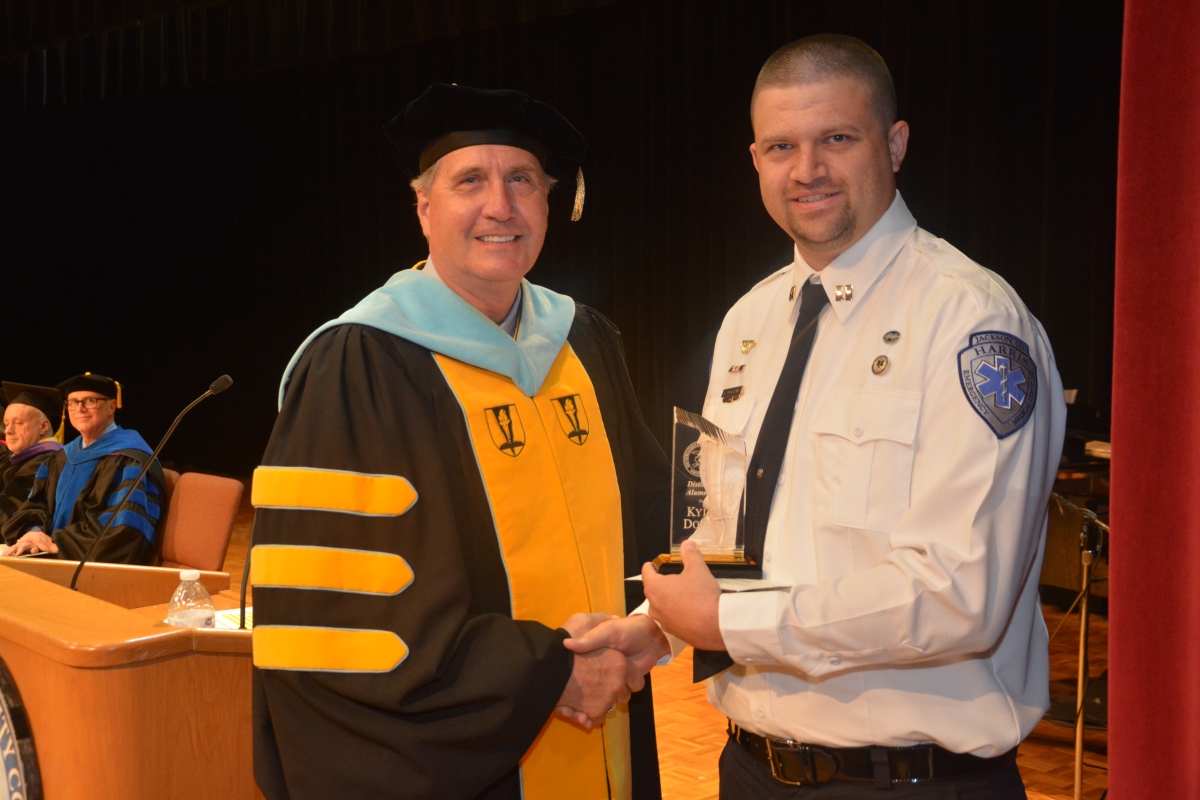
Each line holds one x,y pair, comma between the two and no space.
708,497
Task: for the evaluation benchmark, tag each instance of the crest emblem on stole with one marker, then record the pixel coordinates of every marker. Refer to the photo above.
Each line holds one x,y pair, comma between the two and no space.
572,417
1000,380
504,424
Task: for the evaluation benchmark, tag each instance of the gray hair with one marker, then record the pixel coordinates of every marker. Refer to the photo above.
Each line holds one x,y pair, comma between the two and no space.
827,55
424,181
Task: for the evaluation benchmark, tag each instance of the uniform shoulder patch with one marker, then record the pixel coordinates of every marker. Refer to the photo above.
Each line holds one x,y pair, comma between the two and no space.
999,378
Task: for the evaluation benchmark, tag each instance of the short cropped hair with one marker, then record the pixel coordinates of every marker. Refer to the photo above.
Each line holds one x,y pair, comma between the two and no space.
828,55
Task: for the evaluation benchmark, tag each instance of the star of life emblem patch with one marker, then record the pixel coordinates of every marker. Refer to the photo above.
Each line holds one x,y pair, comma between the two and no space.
1000,380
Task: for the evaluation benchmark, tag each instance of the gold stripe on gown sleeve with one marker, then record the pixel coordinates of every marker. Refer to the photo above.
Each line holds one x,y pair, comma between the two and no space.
311,489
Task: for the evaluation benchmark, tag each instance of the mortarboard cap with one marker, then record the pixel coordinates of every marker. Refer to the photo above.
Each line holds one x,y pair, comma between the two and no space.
87,382
45,399
447,117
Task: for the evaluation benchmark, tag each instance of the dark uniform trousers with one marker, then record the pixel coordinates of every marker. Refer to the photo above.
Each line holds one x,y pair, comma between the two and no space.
743,778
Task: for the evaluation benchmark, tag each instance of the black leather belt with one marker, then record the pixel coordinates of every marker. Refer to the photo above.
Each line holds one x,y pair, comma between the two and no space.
812,765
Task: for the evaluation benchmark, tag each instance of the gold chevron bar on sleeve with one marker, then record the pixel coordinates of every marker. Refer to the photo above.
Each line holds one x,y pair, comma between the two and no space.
334,568
332,490
326,649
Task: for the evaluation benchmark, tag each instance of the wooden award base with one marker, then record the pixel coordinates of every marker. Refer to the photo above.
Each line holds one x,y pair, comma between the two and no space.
721,566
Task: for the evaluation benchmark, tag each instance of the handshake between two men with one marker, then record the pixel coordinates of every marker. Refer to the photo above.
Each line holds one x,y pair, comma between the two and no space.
613,654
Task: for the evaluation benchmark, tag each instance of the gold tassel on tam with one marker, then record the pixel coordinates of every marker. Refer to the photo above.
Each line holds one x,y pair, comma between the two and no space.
577,212
62,426
118,383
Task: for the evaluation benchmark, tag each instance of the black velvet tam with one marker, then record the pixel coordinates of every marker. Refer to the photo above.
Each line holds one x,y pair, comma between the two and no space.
447,117
45,399
87,382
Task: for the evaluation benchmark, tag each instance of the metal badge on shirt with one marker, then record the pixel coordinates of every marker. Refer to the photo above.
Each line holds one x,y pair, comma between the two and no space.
999,378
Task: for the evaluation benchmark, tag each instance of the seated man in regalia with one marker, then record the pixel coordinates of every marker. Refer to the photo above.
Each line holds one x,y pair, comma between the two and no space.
76,493
29,422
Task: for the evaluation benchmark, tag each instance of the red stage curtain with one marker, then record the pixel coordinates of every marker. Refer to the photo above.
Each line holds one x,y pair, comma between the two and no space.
1154,647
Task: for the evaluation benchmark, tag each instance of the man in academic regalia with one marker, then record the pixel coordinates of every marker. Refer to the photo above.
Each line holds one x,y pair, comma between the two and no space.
29,422
77,491
459,466
4,451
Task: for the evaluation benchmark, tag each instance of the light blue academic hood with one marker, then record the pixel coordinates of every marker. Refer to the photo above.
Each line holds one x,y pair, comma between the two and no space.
423,310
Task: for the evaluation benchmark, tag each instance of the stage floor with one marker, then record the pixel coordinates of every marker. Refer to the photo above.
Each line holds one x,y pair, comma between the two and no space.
691,733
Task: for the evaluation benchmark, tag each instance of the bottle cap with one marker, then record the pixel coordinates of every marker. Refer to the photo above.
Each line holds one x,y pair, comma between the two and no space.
189,574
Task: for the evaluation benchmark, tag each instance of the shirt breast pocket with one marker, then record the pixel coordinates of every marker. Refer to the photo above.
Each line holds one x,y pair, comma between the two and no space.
863,457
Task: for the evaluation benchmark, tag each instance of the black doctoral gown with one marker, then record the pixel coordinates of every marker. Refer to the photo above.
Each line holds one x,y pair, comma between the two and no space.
131,537
16,482
455,717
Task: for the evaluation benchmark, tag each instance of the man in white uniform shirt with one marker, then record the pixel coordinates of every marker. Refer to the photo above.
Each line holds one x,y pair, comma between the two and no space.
906,508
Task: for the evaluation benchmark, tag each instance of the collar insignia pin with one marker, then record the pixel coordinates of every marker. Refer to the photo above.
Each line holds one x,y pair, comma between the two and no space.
844,291
792,293
747,345
880,365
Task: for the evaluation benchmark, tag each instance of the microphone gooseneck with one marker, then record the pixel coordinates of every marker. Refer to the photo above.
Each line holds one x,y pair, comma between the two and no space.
219,385
246,573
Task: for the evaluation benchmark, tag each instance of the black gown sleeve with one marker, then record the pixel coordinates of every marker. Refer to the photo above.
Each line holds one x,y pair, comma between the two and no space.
34,511
453,719
130,538
18,483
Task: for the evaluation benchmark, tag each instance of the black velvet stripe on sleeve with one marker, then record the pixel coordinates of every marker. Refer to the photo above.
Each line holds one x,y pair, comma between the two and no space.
455,717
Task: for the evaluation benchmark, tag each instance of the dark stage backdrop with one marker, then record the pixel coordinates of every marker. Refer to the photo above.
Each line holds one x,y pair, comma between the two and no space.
168,239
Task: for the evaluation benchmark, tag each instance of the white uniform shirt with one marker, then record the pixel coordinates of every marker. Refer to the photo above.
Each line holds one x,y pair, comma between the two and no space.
910,531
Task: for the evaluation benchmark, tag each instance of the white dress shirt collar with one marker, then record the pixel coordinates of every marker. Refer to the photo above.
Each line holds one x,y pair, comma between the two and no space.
863,263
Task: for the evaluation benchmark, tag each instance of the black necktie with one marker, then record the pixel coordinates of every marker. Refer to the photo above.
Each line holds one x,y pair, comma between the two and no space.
771,446
763,471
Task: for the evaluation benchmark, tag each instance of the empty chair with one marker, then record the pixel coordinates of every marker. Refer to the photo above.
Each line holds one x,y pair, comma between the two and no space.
200,513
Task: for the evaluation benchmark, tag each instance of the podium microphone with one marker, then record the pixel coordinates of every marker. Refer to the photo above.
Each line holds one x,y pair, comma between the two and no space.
219,385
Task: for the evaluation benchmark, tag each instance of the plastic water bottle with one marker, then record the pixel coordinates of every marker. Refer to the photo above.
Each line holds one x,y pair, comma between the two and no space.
191,605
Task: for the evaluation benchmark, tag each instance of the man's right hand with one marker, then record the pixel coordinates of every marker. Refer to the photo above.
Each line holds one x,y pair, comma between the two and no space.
599,681
35,541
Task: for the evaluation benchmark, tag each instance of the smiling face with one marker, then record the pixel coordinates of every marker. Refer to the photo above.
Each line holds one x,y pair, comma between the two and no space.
825,168
485,217
24,426
91,413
